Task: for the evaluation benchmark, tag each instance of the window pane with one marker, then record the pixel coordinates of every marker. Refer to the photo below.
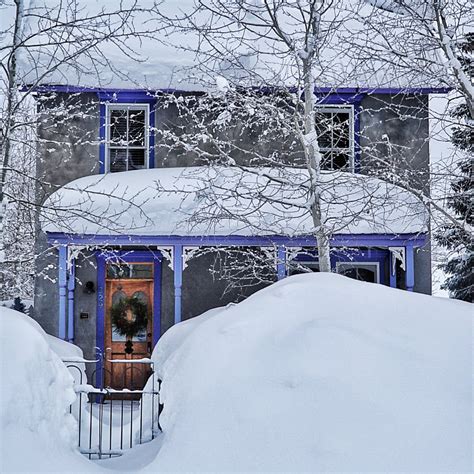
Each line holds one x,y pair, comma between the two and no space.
142,297
323,127
340,161
136,159
136,131
116,298
130,270
118,160
362,274
118,126
340,130
326,162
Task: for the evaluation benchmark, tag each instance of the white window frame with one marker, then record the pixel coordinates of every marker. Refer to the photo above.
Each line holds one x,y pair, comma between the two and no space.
334,108
362,265
127,106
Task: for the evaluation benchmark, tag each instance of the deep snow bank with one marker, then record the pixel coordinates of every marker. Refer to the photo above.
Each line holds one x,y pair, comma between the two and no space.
36,432
319,373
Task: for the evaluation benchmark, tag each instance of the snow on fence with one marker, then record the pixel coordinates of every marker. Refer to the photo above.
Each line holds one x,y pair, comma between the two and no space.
111,420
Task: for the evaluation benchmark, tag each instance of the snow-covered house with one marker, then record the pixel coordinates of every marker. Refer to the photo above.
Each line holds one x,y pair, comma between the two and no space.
123,209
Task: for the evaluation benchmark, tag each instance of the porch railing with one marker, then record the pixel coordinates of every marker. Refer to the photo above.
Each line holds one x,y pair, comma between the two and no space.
111,420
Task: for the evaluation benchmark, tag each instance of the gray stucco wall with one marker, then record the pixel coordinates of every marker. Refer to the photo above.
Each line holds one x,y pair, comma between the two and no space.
46,302
85,328
394,131
68,149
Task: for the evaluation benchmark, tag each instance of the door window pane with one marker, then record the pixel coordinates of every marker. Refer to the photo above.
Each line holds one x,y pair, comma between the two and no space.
116,298
142,335
117,271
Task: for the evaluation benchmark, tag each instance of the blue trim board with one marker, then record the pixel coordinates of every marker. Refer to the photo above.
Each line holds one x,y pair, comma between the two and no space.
410,267
357,149
62,282
71,285
99,337
108,93
102,130
281,262
178,280
338,240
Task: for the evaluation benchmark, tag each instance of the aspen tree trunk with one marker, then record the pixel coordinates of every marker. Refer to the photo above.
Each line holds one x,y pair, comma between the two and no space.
313,161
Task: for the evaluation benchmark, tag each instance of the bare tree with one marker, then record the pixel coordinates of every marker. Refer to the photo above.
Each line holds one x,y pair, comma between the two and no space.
276,45
422,37
267,59
44,43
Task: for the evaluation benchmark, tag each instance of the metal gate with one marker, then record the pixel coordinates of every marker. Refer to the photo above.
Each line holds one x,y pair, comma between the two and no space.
110,420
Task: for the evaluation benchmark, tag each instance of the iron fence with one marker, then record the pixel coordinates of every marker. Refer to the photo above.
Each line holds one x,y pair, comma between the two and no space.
110,420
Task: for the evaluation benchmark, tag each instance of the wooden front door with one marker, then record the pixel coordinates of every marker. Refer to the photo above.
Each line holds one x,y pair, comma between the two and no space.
125,281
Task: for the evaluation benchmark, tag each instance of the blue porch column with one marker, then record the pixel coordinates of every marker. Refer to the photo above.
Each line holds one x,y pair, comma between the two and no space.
71,284
178,280
410,267
281,262
62,282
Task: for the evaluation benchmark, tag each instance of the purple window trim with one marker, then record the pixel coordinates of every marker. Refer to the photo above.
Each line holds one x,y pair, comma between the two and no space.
62,282
119,97
71,285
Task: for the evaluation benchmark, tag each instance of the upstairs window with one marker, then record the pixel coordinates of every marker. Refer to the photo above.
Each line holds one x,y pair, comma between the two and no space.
127,137
335,127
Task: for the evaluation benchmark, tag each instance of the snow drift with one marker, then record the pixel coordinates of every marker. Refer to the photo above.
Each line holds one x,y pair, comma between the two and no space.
319,373
37,434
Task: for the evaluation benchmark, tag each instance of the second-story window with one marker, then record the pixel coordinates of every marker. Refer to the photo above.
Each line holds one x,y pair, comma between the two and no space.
127,137
335,126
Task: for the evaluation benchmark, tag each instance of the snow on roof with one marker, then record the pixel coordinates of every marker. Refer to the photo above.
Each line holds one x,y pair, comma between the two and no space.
168,59
202,201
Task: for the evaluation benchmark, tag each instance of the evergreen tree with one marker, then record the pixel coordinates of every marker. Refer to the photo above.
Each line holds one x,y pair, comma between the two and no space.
460,281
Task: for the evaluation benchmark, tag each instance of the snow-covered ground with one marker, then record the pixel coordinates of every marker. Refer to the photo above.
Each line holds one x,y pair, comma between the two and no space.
37,434
320,373
316,373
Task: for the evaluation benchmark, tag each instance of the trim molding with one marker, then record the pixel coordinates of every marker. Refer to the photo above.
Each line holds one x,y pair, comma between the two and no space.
338,240
108,93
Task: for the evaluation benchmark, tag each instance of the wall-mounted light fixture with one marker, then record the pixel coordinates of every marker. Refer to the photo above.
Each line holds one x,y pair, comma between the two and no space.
89,288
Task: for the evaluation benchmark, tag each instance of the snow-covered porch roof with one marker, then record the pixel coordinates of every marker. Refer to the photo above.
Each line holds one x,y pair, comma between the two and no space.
173,210
229,201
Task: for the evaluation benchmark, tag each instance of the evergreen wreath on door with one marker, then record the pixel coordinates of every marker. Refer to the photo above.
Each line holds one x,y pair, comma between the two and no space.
124,325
